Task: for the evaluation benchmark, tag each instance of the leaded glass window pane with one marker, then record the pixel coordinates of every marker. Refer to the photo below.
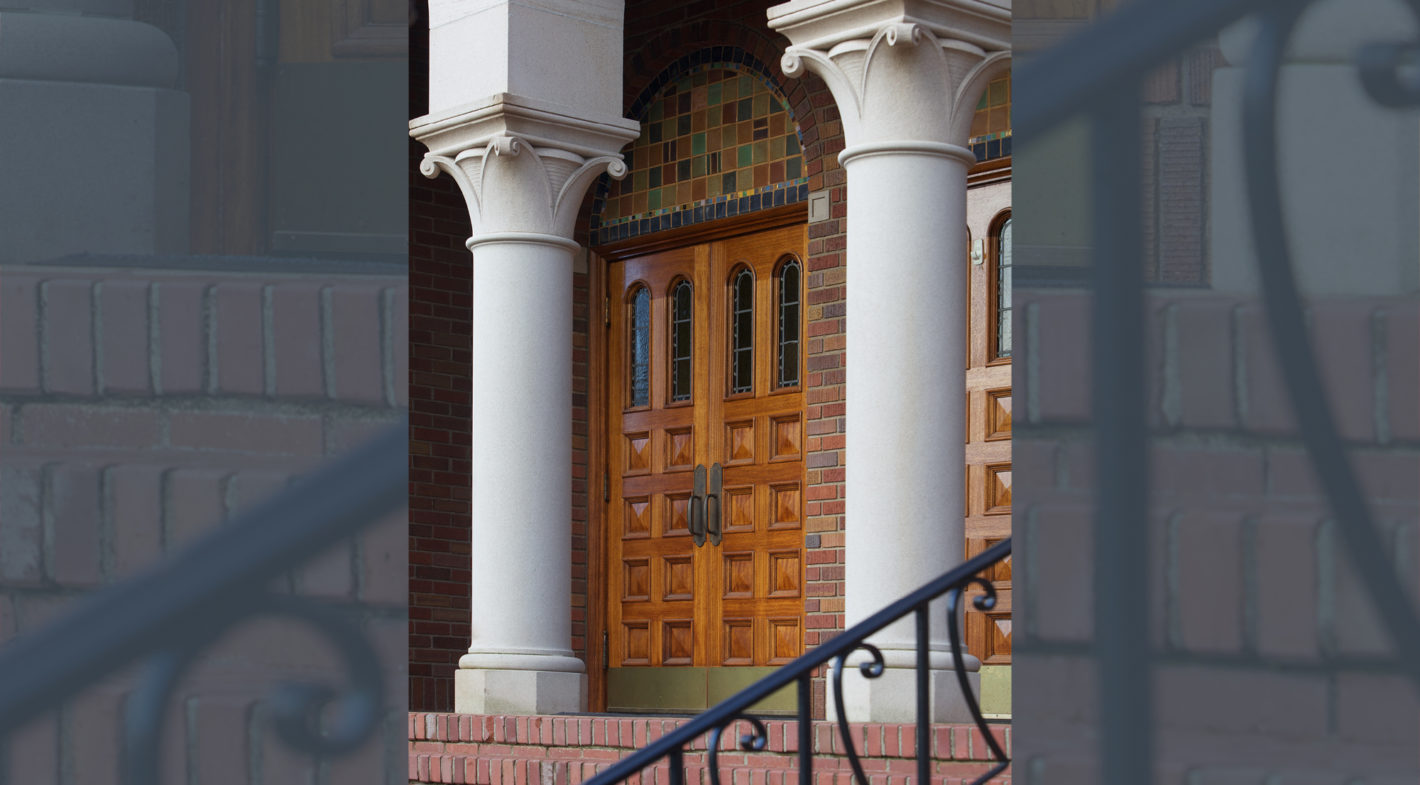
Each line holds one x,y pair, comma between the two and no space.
681,338
1003,293
789,325
742,338
641,347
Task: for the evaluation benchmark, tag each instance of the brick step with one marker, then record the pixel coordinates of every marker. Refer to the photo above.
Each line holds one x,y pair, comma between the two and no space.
559,750
572,766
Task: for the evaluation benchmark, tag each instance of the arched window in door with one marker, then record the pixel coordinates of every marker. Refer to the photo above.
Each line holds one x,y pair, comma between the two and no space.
742,331
681,340
1001,289
640,346
789,318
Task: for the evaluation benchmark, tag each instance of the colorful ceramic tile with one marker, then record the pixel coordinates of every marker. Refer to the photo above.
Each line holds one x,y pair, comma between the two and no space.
694,162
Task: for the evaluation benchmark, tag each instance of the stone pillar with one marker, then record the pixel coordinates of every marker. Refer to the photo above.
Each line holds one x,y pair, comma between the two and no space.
523,165
906,77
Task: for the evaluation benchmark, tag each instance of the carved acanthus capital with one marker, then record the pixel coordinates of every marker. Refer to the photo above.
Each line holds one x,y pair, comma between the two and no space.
522,168
510,185
905,71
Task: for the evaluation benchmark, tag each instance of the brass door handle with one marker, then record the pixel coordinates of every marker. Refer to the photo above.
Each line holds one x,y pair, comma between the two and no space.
697,508
712,505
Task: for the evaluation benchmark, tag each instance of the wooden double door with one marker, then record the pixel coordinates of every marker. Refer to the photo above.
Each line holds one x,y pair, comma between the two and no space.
704,519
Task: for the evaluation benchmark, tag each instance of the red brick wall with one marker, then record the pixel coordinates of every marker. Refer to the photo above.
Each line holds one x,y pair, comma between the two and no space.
138,410
440,298
499,750
1256,611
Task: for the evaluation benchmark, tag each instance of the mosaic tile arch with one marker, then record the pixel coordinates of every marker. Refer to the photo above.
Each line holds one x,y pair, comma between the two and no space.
718,139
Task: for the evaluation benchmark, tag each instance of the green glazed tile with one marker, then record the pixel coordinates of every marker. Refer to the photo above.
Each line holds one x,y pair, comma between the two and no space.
697,144
746,155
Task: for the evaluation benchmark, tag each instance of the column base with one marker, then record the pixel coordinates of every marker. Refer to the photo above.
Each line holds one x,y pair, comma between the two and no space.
490,691
892,697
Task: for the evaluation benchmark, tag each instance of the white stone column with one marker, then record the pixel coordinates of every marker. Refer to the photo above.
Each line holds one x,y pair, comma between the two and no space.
524,105
906,77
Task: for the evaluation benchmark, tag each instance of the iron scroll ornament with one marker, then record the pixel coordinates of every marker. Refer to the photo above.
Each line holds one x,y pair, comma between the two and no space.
1379,66
800,672
1097,71
167,615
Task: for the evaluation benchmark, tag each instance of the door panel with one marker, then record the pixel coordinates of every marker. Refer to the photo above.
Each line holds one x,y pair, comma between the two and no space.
988,460
737,603
652,563
761,601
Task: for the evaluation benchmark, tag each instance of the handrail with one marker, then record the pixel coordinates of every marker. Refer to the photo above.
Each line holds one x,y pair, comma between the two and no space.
734,708
185,602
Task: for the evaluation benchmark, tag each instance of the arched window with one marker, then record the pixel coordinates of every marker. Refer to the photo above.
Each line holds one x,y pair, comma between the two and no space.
789,324
640,347
1001,291
742,332
682,337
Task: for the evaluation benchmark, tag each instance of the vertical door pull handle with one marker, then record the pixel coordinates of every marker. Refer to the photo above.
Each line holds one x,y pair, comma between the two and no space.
712,505
697,507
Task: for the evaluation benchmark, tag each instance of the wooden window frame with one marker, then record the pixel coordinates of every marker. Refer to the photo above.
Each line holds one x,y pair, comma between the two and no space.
628,388
732,355
993,277
777,308
670,342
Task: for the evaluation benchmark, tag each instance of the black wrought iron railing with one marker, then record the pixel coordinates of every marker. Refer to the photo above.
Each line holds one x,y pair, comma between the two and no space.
1099,74
167,617
714,722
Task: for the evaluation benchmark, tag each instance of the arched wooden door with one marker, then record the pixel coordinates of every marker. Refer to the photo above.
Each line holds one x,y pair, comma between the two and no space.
705,424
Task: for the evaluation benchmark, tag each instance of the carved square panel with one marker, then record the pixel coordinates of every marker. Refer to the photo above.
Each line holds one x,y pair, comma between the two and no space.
636,583
636,642
737,508
785,438
785,640
636,523
739,442
998,414
998,489
638,453
785,506
998,635
784,574
680,448
677,642
677,514
739,575
1001,571
738,642
679,578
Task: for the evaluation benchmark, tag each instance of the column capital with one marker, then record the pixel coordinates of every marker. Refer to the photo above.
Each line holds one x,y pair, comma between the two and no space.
523,166
901,71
